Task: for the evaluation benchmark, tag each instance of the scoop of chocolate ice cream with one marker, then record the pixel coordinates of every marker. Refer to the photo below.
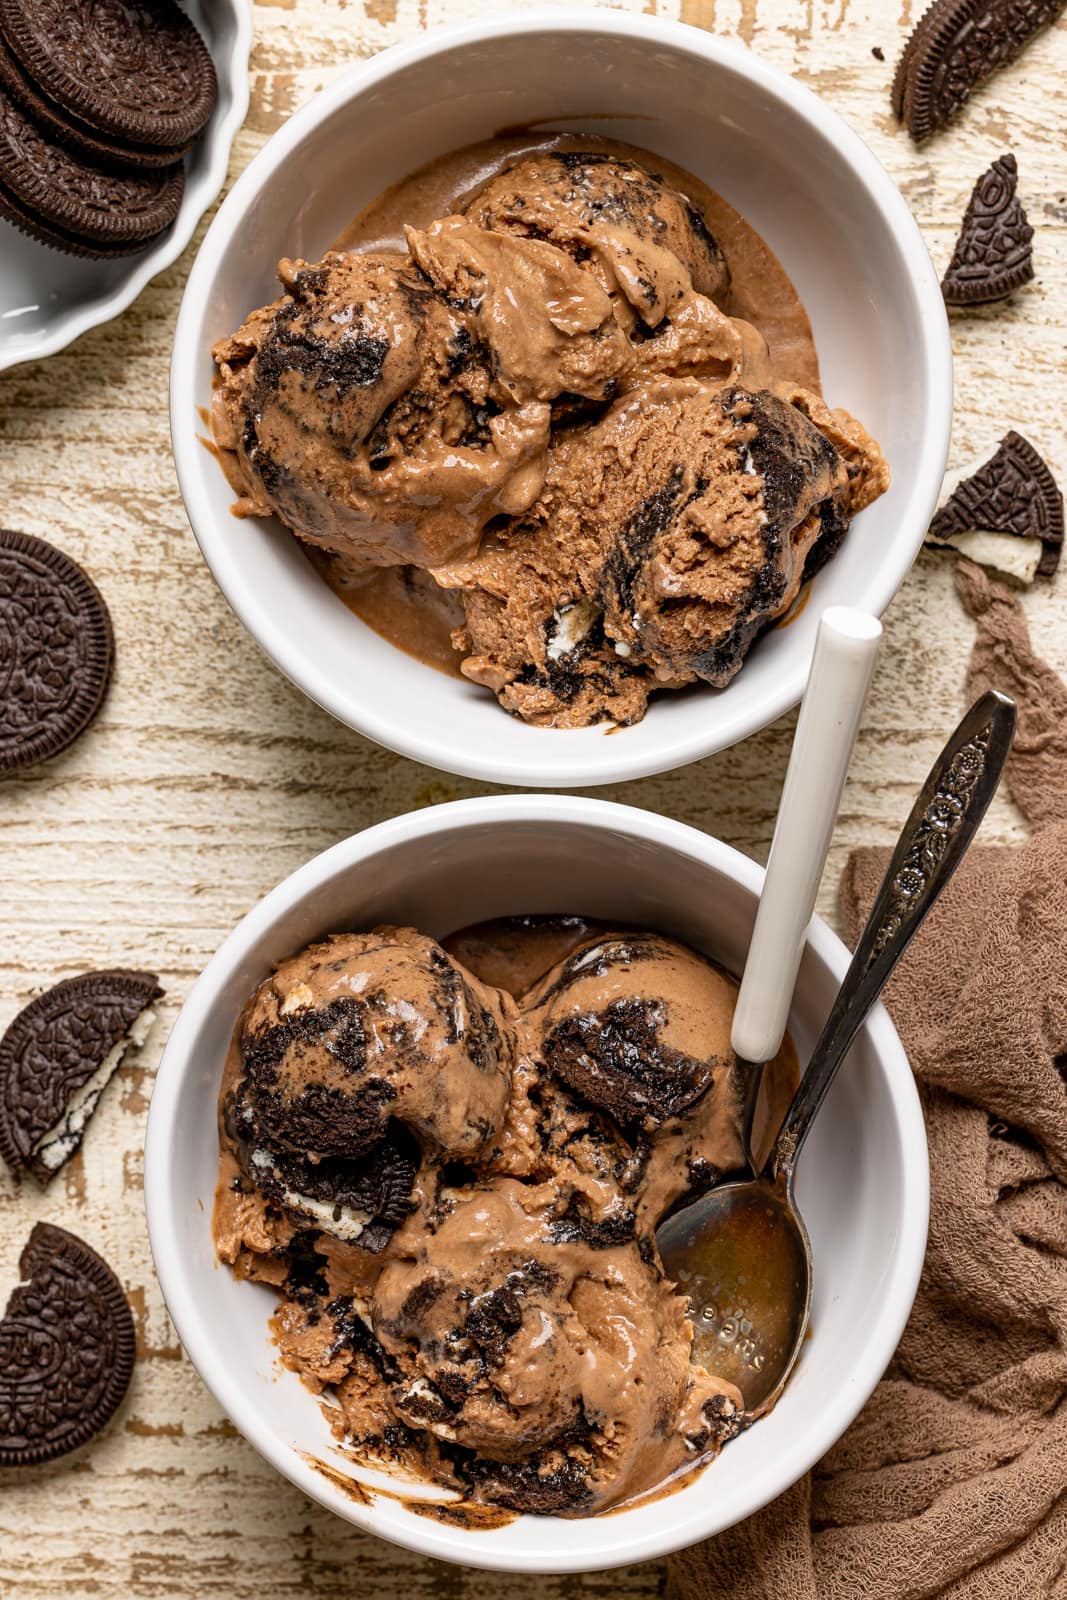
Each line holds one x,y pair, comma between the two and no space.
358,408
621,218
561,1366
634,1024
669,534
727,494
367,1030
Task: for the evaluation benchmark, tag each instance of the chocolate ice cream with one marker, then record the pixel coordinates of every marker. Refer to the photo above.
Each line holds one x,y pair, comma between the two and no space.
456,1192
551,393
667,534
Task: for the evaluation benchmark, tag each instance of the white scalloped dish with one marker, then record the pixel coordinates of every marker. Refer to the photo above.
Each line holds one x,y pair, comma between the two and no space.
48,299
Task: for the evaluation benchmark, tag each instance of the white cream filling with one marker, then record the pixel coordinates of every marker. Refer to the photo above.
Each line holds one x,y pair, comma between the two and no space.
571,625
59,1143
424,1390
1006,553
343,1222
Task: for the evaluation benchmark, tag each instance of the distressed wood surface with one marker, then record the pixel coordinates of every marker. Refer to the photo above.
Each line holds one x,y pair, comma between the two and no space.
208,777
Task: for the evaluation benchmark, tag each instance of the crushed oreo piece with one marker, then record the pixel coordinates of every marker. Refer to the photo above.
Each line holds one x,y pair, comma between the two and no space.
992,257
361,1200
575,1225
542,1488
616,1059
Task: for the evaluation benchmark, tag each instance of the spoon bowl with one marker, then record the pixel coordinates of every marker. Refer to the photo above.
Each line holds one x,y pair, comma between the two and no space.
741,1252
743,1259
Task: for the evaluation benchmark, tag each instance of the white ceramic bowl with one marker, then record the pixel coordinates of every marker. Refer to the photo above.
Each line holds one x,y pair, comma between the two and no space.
795,170
862,1186
48,299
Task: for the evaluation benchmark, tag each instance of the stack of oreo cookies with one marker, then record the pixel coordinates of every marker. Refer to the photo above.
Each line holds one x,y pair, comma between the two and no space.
99,104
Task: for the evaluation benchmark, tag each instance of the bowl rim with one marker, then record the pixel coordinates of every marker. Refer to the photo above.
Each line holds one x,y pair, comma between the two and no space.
426,1537
198,197
555,762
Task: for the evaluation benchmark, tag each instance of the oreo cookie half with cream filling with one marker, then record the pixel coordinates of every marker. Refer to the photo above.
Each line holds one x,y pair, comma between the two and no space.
58,1056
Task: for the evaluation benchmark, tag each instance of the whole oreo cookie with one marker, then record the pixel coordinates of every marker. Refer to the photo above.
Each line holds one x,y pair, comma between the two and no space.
57,1057
79,199
134,69
23,219
955,45
67,1349
992,257
56,650
69,131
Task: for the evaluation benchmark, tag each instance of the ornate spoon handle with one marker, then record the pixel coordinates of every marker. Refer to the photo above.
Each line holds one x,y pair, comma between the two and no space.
942,823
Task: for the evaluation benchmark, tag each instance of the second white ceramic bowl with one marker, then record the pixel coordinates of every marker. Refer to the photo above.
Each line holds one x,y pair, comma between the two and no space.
862,1180
788,162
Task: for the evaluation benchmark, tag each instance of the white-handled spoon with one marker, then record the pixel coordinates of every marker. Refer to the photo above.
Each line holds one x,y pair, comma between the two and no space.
845,649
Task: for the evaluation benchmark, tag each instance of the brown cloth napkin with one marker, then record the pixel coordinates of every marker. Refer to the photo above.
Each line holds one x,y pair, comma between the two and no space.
953,1479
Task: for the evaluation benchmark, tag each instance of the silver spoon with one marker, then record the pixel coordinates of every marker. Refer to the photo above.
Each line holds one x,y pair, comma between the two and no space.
741,1252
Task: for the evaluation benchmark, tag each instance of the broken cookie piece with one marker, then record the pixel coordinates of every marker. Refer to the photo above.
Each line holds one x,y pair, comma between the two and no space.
955,46
1006,513
992,257
68,1346
622,1022
58,1056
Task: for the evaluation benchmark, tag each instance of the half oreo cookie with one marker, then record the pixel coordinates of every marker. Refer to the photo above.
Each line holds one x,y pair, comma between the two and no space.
955,46
1015,495
67,1349
58,1056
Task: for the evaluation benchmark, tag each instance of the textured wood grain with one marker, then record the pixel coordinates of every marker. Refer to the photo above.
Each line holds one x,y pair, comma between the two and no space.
208,777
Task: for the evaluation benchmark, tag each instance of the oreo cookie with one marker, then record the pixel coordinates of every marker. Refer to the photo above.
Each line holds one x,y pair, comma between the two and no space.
67,1349
359,1200
616,1059
70,131
89,206
1014,492
953,48
557,1485
992,257
56,650
134,70
58,1056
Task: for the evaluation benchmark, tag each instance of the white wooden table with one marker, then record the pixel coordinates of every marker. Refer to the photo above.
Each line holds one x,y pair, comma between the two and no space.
208,777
